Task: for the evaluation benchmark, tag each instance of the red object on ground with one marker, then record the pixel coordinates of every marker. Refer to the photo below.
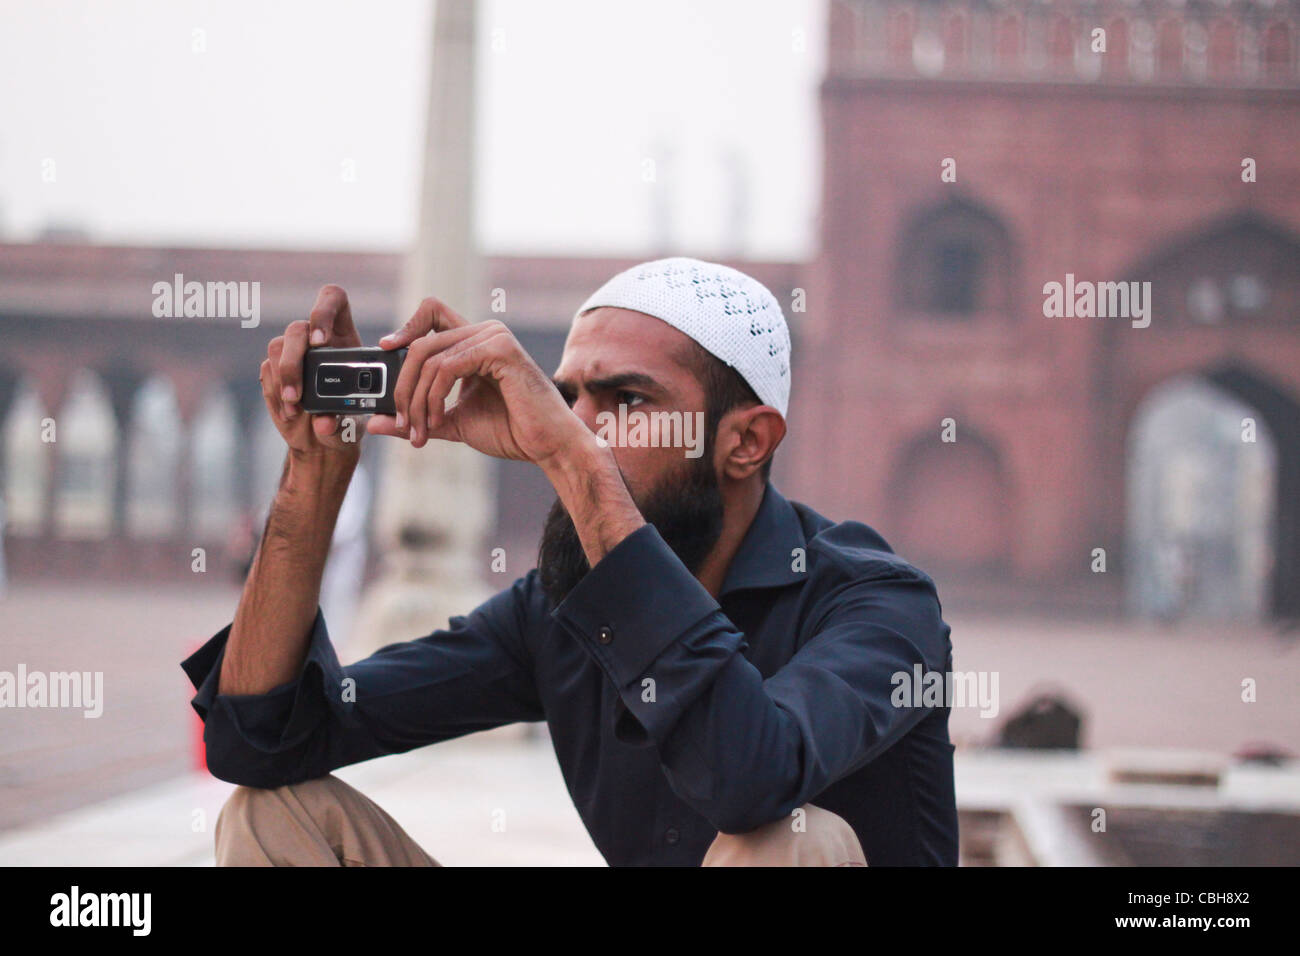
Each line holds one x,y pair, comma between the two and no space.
198,749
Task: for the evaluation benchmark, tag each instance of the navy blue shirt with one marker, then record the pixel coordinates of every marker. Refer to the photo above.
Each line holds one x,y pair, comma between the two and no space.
674,715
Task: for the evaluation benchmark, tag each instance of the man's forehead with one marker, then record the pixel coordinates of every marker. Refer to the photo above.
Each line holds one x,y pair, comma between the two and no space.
610,340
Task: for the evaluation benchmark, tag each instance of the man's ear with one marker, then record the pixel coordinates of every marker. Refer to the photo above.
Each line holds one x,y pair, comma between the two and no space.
752,436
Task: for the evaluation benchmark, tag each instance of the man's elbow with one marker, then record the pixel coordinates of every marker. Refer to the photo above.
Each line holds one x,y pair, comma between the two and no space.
744,806
246,766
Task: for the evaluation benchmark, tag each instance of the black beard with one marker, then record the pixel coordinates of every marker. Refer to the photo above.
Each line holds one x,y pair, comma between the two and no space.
686,508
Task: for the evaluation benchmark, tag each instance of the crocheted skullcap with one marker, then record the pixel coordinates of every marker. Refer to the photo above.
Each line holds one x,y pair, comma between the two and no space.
731,315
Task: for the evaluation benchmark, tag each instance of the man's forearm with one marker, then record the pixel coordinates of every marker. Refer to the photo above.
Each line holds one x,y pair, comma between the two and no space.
269,637
589,484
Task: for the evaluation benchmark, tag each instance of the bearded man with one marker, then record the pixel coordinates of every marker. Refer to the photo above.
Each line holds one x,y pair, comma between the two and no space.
717,665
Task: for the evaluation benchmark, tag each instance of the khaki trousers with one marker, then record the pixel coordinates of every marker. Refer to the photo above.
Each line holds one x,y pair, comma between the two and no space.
325,822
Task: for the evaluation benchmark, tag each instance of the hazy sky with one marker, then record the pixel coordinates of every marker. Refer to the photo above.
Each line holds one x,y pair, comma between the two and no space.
251,139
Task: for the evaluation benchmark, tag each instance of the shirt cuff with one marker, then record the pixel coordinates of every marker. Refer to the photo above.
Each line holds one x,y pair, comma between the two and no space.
270,722
640,613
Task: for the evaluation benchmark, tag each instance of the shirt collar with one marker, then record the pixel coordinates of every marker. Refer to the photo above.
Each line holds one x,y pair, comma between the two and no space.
765,557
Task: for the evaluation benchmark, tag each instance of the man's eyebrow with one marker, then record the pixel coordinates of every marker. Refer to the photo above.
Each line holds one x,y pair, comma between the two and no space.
621,380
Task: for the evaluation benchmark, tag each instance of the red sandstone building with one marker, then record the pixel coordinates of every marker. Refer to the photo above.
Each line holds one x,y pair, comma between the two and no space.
926,302
922,311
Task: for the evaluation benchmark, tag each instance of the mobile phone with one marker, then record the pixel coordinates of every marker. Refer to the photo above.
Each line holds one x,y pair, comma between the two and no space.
356,381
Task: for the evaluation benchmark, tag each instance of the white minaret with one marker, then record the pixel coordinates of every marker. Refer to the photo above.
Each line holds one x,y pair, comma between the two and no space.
434,503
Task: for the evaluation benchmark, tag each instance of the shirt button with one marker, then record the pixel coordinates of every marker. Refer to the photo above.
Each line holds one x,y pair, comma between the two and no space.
671,835
605,635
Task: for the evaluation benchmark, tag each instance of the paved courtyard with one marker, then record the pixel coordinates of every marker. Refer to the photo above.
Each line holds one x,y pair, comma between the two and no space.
52,760
1138,685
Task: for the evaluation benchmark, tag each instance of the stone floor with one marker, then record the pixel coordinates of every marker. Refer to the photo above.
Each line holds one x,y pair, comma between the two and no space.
498,799
487,800
53,760
1140,686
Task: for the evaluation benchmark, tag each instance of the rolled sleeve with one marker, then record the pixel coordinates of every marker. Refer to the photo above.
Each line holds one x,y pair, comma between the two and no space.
472,675
269,724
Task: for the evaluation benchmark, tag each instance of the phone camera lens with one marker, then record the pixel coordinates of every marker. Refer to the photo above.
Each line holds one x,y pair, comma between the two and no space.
365,380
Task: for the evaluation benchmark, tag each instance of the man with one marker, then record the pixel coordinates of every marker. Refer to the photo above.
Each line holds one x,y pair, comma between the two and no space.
718,666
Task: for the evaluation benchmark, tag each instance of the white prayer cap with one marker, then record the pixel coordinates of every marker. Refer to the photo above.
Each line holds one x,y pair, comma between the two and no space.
731,315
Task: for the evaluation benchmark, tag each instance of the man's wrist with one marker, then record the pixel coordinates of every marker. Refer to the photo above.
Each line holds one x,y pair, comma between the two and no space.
307,505
585,475
315,473
310,497
581,456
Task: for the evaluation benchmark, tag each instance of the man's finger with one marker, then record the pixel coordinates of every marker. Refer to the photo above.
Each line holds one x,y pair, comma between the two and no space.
417,414
412,365
290,366
331,318
274,349
450,369
270,392
431,316
324,425
386,425
337,431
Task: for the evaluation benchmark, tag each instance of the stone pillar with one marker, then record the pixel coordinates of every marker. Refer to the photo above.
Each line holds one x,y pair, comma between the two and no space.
122,385
190,390
51,383
249,409
434,503
8,390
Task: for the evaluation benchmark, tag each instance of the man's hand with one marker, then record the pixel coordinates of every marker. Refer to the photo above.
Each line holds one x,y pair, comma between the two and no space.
506,408
330,323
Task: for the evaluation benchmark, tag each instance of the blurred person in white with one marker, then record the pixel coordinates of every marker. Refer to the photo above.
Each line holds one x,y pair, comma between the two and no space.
340,586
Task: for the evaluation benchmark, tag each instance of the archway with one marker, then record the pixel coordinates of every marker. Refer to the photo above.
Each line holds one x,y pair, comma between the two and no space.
27,463
950,504
214,436
154,460
1213,502
87,446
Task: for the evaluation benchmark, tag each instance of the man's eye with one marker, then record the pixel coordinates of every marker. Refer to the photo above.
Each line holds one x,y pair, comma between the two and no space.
630,399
